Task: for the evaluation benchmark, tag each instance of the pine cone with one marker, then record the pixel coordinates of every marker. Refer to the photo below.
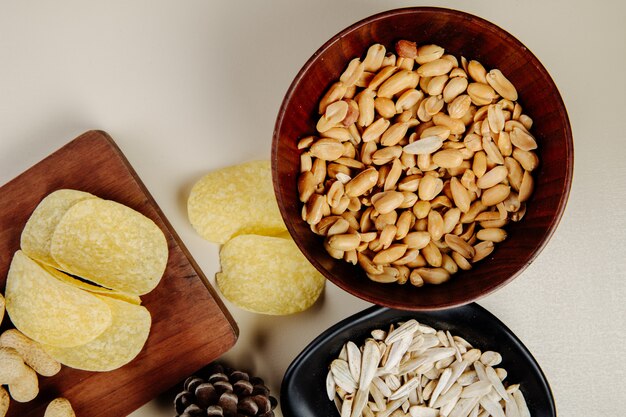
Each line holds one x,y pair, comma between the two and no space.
224,393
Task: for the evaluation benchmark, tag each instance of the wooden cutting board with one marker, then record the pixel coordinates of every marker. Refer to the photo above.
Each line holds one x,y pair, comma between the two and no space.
190,325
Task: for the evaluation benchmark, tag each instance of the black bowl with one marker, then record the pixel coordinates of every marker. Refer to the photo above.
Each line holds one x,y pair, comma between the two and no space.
303,392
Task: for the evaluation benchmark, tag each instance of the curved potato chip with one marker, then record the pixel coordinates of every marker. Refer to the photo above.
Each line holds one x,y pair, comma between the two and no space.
267,275
50,311
112,245
118,345
235,201
59,407
38,231
94,289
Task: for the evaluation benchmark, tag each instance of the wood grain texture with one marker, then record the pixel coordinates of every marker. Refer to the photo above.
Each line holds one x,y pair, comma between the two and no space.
462,35
190,326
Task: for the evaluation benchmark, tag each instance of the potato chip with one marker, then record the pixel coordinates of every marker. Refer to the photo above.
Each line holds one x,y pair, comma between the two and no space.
50,311
118,345
235,201
39,228
92,288
110,244
267,275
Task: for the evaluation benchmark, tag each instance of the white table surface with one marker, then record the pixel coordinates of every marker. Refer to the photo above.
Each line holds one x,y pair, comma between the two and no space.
185,87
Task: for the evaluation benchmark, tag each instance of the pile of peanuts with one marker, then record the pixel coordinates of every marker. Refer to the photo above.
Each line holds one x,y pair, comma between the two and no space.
417,165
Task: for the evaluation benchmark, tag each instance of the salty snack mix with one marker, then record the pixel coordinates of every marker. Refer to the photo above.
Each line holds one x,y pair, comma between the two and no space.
418,164
225,393
413,368
263,271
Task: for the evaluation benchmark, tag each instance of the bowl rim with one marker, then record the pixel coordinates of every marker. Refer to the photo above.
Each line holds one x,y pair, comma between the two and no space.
565,124
372,312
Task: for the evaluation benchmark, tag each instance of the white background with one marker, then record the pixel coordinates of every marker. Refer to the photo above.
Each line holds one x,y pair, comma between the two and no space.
185,87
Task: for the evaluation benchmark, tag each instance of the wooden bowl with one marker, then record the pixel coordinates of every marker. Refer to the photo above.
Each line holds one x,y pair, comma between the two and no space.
460,34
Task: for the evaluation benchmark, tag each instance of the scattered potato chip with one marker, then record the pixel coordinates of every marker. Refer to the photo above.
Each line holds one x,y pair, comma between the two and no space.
267,275
118,345
4,402
59,407
1,308
92,288
38,231
26,387
12,365
110,244
50,311
31,352
235,201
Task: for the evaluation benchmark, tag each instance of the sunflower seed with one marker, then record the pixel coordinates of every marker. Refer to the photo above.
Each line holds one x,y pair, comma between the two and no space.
407,328
490,358
346,406
510,407
423,411
343,377
369,362
330,385
520,401
403,391
443,380
492,376
492,407
477,389
464,407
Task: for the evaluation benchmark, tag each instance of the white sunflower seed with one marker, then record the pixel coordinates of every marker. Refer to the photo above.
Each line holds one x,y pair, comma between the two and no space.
330,385
405,329
477,389
492,376
423,411
521,404
443,380
342,376
492,407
